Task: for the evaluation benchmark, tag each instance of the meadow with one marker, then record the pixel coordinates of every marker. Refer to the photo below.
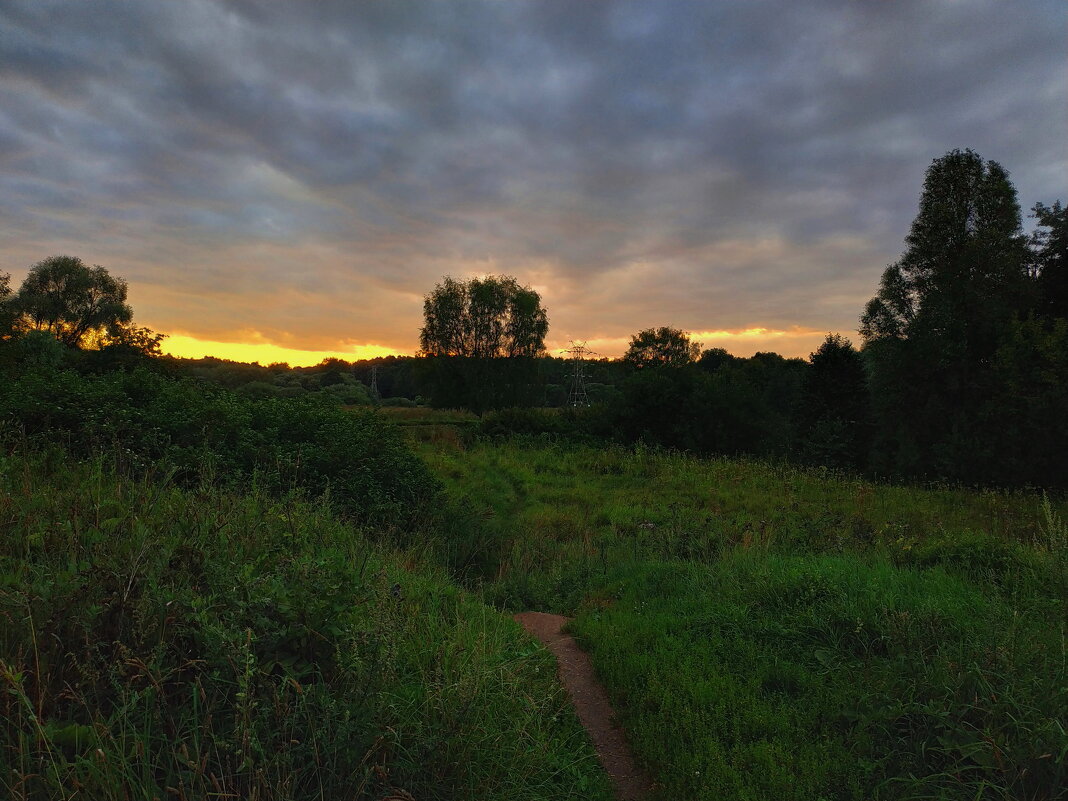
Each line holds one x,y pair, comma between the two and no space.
772,631
206,594
210,596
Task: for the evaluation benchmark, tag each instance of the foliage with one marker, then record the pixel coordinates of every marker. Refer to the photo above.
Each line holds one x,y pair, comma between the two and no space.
570,423
479,385
158,642
75,303
939,318
141,418
661,347
1026,420
799,633
745,406
483,318
7,308
1050,245
481,337
964,260
835,411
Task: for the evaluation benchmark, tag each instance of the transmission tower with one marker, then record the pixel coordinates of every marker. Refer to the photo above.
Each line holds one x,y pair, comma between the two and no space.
375,395
578,351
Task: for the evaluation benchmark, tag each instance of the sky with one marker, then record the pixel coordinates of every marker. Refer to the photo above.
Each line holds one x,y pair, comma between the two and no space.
281,181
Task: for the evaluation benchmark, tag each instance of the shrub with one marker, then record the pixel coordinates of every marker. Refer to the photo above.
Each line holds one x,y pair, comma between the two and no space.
360,461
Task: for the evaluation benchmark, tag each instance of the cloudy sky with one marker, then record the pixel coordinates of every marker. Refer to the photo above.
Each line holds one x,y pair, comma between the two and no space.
291,178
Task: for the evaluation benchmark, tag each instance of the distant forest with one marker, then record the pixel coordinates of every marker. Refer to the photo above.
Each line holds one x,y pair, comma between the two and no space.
961,373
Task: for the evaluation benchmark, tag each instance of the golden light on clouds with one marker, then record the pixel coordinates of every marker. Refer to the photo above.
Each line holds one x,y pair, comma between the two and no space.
267,353
795,341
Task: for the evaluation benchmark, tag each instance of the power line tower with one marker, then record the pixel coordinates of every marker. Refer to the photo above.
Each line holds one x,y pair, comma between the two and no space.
578,351
375,394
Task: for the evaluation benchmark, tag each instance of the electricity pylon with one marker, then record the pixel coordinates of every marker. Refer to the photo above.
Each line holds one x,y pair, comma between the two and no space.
577,395
375,395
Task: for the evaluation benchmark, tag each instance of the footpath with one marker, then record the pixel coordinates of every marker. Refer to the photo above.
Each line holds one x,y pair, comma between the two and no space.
591,704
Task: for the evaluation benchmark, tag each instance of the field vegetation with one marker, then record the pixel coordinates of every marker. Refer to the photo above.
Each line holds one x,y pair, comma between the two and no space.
206,595
237,581
770,631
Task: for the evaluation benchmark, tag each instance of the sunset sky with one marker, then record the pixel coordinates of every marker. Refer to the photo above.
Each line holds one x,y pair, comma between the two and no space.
283,181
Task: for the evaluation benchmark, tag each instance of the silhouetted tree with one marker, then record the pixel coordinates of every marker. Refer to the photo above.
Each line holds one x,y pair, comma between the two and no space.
482,337
715,358
7,308
933,329
1050,244
489,317
661,347
835,414
71,301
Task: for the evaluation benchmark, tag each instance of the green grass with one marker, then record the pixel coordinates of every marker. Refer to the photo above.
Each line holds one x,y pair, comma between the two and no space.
425,416
775,632
160,642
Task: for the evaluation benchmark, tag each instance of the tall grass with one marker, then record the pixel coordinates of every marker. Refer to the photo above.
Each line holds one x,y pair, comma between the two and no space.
161,642
770,631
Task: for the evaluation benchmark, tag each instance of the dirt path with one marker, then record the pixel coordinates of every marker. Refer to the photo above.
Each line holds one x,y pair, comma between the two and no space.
591,703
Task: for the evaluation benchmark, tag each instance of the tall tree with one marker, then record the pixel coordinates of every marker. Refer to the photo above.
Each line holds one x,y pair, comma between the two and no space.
963,271
661,347
1050,243
71,301
933,329
482,337
489,317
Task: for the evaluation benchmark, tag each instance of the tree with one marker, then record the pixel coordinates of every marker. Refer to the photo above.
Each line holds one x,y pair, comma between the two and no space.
481,338
661,347
714,359
963,270
1051,258
941,312
7,309
485,318
73,302
835,413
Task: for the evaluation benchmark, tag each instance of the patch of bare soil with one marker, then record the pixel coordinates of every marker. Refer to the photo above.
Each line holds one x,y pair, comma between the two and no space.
591,704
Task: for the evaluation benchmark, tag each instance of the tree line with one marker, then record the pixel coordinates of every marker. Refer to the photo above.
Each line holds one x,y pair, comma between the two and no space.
961,373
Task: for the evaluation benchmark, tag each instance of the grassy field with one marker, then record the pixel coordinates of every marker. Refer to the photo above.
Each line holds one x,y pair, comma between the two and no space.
159,642
204,595
773,632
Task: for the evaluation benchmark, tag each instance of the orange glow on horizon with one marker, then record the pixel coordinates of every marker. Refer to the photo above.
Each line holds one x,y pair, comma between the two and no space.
265,353
741,342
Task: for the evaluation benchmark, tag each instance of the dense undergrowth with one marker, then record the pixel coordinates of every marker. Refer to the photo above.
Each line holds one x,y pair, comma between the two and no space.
774,632
159,642
140,419
210,596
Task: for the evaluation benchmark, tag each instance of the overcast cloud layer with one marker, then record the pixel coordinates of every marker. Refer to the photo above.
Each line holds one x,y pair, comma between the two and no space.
303,173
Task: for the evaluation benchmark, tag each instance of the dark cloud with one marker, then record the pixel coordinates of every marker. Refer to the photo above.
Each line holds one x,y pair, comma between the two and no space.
711,165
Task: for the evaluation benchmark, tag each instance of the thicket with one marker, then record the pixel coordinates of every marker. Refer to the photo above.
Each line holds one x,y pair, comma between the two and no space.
357,462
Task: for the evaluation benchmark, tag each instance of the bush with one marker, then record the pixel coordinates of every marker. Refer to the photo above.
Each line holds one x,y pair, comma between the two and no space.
568,422
348,394
139,419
